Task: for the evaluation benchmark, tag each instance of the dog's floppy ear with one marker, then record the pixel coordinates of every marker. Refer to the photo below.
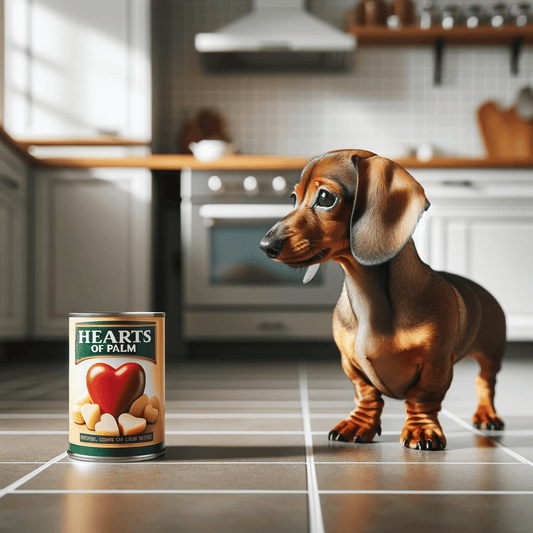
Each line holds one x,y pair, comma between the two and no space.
387,207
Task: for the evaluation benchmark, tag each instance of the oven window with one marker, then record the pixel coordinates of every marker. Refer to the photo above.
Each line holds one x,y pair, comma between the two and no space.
237,260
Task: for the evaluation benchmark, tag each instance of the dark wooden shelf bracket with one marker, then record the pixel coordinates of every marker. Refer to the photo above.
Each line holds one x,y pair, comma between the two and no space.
437,68
516,49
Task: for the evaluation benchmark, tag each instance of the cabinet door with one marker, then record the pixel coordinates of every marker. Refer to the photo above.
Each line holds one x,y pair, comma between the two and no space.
13,269
490,242
77,68
93,244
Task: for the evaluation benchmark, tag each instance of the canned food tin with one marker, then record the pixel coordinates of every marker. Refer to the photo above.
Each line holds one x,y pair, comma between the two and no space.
116,386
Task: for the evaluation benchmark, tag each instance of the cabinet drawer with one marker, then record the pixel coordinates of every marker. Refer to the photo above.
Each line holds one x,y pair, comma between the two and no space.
265,326
13,175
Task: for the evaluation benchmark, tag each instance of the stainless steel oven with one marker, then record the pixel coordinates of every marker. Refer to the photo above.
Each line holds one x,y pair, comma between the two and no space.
231,289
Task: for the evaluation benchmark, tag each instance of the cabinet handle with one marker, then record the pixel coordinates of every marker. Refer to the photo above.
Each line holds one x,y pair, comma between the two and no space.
271,326
9,182
452,183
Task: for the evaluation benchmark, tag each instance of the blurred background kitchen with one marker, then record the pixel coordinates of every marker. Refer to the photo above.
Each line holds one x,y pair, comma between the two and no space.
103,206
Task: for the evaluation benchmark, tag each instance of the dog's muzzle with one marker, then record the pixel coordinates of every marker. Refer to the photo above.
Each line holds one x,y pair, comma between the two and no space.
272,243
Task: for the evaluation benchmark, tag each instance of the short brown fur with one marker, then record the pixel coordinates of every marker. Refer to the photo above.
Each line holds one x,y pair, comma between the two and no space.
399,325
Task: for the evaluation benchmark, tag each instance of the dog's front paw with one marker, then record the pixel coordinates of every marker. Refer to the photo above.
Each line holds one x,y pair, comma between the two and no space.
423,437
353,430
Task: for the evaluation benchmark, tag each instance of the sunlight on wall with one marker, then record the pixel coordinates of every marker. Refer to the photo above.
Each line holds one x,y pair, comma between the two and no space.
70,69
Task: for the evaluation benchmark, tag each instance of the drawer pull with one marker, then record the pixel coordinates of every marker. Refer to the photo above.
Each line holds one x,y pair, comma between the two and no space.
10,183
453,183
271,326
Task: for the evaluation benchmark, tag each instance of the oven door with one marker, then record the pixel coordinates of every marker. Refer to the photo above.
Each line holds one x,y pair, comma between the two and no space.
225,266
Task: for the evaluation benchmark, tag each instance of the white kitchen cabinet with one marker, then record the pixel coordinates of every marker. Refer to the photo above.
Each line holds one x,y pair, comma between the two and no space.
480,225
93,244
77,68
13,245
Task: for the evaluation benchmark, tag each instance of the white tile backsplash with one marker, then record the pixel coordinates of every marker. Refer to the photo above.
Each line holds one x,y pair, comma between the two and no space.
387,103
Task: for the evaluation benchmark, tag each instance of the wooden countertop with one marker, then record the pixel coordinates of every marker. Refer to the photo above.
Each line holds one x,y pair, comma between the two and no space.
235,162
263,162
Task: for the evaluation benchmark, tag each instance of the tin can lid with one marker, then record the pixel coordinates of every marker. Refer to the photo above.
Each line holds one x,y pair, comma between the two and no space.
114,314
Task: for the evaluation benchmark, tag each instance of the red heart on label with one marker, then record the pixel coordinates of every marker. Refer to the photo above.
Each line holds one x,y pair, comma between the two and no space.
114,390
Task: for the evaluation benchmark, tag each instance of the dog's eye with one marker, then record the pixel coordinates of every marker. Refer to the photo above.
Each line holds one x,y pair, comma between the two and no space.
325,199
293,199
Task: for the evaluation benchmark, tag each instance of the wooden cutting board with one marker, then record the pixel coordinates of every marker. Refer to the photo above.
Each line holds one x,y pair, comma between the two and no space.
505,134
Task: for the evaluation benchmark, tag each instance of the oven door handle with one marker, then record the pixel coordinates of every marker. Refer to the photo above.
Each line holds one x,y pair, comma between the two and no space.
243,212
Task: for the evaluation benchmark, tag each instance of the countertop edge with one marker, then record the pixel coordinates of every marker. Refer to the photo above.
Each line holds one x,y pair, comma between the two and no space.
261,162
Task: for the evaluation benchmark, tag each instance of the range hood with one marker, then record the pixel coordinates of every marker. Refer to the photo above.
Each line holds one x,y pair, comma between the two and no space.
276,35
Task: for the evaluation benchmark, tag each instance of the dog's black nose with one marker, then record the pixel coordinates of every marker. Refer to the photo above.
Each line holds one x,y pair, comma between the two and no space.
271,246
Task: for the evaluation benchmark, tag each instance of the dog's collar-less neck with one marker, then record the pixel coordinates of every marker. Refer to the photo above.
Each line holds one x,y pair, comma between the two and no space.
369,295
371,290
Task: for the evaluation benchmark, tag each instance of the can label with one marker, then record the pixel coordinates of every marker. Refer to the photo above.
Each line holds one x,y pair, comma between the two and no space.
116,386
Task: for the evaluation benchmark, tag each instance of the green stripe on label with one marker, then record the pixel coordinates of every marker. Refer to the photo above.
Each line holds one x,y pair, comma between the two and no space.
116,452
112,339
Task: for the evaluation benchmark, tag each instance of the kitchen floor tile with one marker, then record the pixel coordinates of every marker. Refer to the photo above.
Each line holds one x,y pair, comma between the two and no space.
139,513
37,422
462,447
247,448
32,406
11,472
250,423
244,383
241,395
21,448
521,444
425,477
435,513
281,409
163,475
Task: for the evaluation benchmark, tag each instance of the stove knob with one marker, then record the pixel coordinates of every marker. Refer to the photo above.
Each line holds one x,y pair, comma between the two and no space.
215,184
250,184
279,184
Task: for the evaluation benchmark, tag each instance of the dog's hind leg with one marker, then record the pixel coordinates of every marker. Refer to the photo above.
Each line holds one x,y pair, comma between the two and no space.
486,417
364,421
488,350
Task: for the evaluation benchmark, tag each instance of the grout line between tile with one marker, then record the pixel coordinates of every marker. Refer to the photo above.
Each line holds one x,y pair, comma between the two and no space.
22,432
231,415
230,432
12,416
162,462
504,448
266,491
157,491
439,492
409,463
13,486
316,523
20,416
22,462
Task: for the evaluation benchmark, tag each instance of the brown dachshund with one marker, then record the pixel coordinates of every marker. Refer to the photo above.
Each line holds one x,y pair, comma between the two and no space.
399,325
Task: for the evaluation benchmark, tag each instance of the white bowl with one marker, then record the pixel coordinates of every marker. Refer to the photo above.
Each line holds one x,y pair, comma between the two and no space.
211,150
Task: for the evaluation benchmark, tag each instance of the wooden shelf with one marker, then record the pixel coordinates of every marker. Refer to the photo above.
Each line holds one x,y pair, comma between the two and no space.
438,37
460,35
